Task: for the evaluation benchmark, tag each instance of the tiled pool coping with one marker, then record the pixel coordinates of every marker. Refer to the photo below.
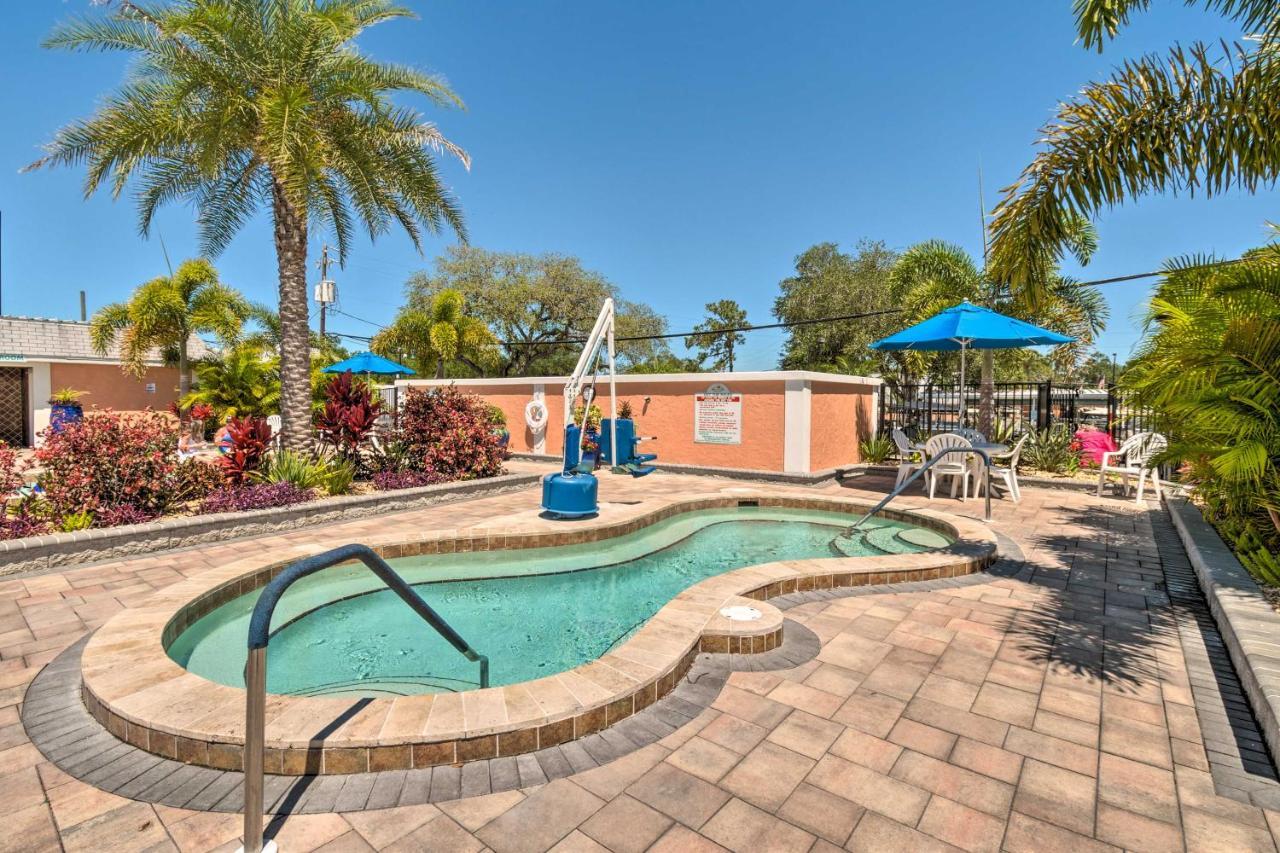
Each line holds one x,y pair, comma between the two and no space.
142,696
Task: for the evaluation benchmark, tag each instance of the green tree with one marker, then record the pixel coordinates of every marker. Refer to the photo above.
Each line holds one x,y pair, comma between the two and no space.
234,105
242,381
832,283
534,304
1201,118
713,340
164,313
935,275
438,337
1210,364
664,363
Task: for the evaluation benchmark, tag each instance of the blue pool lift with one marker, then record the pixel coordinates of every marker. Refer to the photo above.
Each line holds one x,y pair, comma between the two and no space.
573,492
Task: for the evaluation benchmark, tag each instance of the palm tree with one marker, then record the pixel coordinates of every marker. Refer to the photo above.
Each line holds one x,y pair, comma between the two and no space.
1210,364
435,338
239,382
164,313
934,275
237,104
1200,119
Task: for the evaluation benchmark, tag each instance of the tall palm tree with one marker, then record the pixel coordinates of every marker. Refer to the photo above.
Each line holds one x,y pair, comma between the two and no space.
164,313
238,104
443,334
1200,119
934,275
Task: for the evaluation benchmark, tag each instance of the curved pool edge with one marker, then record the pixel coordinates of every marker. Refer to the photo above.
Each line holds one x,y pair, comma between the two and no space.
143,697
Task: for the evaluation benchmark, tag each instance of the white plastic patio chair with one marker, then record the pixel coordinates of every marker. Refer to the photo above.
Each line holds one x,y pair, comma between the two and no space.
972,434
1134,459
1007,472
275,422
953,465
909,458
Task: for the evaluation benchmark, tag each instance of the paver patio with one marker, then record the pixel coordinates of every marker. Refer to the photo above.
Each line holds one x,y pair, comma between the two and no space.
1076,697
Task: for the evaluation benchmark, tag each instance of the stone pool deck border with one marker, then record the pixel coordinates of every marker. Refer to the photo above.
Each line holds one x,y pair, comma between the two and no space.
56,550
139,694
1249,625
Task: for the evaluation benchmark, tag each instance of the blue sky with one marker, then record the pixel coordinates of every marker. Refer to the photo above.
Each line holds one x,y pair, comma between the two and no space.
688,151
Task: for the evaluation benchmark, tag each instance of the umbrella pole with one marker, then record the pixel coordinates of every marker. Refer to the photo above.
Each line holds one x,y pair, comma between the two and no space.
961,413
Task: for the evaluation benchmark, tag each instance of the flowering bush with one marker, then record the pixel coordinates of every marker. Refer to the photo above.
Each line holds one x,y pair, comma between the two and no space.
448,433
111,460
250,438
258,496
349,414
390,481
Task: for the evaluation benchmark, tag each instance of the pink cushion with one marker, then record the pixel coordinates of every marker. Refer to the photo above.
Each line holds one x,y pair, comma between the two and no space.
1094,443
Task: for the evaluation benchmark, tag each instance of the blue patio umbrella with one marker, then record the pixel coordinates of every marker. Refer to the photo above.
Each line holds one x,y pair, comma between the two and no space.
367,362
968,326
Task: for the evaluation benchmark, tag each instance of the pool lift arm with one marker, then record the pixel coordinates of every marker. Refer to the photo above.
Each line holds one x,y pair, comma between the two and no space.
601,335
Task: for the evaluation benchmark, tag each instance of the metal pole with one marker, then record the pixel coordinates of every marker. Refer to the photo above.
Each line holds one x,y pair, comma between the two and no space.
255,683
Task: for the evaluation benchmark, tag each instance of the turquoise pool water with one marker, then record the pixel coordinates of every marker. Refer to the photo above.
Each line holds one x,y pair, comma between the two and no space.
534,612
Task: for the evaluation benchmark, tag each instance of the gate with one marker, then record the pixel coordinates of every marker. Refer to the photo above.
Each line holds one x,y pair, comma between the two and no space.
13,406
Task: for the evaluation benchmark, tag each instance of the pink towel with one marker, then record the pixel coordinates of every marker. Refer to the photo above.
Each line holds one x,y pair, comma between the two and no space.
1094,443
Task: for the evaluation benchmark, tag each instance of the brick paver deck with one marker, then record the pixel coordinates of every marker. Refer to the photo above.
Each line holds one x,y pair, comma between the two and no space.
1077,698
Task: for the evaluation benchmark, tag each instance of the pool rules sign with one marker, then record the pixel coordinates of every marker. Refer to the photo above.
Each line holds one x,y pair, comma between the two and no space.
717,416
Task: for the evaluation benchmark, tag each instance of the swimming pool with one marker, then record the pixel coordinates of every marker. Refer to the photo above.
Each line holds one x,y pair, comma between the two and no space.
534,612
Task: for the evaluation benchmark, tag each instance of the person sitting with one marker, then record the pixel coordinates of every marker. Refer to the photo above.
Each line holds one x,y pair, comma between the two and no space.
222,438
186,447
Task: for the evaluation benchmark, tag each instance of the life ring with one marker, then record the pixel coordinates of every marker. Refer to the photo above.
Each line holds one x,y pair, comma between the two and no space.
535,415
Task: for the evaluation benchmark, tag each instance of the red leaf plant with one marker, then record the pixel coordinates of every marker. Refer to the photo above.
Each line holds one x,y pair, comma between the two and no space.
349,415
449,434
250,438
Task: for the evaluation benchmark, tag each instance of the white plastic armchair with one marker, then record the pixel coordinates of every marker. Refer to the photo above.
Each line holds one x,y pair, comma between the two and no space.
953,465
972,434
1135,458
1007,472
275,422
909,458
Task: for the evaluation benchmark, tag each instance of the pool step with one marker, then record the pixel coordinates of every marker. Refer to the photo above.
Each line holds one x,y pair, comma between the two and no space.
887,540
388,686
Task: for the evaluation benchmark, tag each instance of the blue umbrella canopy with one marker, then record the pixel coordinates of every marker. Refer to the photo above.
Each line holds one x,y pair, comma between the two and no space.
969,326
367,362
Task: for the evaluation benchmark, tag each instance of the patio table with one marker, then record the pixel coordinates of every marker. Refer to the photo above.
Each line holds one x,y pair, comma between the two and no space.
992,448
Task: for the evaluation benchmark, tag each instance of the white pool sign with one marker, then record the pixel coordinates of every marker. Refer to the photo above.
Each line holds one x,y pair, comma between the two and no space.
717,416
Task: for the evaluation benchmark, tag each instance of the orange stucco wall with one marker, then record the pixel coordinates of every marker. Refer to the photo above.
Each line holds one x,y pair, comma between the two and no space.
109,387
840,418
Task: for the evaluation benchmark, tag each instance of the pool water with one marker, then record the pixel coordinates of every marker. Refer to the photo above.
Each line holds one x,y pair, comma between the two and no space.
534,612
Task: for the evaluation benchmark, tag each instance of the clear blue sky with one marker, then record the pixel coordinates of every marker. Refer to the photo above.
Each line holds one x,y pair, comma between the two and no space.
688,151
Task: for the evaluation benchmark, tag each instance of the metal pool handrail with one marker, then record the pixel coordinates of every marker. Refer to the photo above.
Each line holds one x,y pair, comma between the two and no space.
255,669
915,475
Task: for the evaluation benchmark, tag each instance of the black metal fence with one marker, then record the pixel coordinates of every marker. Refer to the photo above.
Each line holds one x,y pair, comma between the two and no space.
922,410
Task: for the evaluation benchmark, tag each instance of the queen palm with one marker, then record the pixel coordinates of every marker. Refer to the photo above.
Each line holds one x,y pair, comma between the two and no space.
234,105
934,275
443,334
164,313
1200,119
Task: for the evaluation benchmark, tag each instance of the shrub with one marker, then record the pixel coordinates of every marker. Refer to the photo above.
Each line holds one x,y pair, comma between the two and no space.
348,416
339,477
250,438
624,410
115,516
876,450
257,496
390,481
594,416
12,473
195,479
1054,450
497,417
76,521
111,460
290,467
448,433
22,525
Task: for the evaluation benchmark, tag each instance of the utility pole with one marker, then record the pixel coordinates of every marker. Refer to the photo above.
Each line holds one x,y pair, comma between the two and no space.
326,290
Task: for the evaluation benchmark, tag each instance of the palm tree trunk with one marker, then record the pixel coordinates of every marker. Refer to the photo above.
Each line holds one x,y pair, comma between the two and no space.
987,393
184,372
295,324
439,368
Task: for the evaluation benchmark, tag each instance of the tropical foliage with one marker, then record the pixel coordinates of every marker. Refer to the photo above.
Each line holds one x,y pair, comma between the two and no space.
234,105
164,313
241,382
714,341
439,336
348,417
1211,364
1203,118
447,433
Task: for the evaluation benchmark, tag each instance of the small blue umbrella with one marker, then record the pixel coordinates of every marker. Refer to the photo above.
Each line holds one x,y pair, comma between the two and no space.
968,326
367,362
